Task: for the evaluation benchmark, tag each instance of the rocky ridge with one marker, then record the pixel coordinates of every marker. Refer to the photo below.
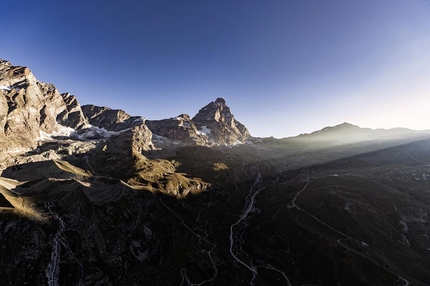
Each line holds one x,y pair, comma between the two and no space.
216,120
40,124
30,109
94,196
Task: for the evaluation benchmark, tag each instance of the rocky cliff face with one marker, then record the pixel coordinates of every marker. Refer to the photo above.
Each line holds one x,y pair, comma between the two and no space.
179,129
213,125
132,130
30,109
104,117
216,120
93,197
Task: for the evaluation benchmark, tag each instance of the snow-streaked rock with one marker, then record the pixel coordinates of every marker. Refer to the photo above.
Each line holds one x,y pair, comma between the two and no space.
218,123
30,109
179,129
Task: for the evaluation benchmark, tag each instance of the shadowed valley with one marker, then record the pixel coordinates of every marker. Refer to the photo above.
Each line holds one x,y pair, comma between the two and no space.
95,196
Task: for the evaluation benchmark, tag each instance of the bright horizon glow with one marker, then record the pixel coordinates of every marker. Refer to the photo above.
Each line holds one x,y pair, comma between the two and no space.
283,67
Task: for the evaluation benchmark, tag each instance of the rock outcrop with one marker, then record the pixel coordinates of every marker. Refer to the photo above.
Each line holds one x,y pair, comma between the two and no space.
95,203
132,131
30,109
179,129
216,120
212,126
104,117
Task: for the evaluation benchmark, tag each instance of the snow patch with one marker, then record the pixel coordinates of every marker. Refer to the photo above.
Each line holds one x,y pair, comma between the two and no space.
94,132
43,136
61,131
4,87
204,131
159,138
89,133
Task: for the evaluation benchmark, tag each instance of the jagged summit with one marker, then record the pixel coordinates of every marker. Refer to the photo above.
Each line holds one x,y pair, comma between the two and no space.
82,198
213,125
216,110
32,111
220,101
218,122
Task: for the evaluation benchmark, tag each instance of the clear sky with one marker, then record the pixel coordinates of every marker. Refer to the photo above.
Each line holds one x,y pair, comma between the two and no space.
284,67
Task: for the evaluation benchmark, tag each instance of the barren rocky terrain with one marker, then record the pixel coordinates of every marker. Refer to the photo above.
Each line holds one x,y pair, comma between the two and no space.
95,196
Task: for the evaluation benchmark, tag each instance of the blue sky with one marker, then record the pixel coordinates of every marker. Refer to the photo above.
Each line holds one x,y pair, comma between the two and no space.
284,67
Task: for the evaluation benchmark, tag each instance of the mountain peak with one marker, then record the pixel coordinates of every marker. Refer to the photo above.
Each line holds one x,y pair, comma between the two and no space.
5,62
214,111
82,191
224,128
346,125
220,101
213,125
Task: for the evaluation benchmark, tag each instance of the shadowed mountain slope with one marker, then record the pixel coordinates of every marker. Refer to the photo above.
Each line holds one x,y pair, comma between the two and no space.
94,196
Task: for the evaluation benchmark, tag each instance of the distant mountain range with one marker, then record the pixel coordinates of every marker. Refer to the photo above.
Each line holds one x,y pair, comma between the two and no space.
94,196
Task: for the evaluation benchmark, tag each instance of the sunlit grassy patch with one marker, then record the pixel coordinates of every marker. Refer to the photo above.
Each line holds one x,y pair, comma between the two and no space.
220,166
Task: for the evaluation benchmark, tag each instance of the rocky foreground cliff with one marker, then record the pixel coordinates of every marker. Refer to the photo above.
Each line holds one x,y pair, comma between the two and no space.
95,196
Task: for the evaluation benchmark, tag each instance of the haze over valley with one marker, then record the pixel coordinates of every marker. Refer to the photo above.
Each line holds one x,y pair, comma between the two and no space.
94,196
207,143
284,67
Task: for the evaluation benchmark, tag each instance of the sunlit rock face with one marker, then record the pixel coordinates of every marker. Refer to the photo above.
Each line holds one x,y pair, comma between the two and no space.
94,196
213,125
131,130
73,115
29,109
105,117
180,129
216,120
